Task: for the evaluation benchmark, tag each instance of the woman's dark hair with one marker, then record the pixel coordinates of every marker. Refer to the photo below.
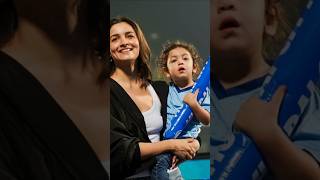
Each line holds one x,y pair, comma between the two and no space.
97,16
8,21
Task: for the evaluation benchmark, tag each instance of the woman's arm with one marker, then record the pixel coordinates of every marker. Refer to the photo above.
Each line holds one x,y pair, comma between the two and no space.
183,148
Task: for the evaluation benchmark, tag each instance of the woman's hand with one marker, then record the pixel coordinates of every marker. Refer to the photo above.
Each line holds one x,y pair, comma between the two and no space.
185,148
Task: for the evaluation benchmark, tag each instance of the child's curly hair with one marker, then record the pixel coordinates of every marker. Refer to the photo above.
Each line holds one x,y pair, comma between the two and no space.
170,45
276,11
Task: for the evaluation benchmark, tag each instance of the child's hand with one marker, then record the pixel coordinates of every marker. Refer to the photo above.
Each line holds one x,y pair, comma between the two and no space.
257,118
175,162
201,114
191,99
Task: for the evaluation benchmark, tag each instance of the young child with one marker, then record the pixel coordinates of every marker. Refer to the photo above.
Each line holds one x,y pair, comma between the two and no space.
241,32
179,62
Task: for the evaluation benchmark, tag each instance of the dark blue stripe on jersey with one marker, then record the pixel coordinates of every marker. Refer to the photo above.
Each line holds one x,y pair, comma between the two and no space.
221,93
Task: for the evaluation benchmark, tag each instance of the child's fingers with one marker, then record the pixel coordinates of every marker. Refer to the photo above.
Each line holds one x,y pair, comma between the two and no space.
174,162
278,96
197,92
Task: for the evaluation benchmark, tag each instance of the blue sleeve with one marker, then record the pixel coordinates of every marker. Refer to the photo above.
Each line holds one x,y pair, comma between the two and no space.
206,102
307,136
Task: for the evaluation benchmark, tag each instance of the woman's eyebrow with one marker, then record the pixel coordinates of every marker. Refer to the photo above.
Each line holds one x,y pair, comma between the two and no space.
118,34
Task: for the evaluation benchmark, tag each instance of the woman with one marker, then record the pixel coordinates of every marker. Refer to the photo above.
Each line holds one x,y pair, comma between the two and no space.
52,94
137,119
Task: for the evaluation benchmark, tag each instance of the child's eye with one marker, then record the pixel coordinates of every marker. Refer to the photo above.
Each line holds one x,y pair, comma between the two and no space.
173,60
186,58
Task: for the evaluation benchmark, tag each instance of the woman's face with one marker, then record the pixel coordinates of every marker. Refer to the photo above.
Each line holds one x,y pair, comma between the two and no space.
124,43
237,26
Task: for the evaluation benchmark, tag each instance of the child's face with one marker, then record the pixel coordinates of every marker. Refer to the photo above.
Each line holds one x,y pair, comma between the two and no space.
180,65
124,43
237,26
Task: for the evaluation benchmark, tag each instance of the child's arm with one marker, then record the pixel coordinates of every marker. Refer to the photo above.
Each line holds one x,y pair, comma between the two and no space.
201,114
259,121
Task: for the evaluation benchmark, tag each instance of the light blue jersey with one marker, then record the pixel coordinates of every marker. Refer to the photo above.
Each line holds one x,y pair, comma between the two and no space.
175,103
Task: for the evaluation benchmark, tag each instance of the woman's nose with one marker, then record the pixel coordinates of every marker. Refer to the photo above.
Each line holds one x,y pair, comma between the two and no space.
123,42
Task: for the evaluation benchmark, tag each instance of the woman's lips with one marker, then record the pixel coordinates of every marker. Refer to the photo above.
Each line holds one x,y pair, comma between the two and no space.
125,50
